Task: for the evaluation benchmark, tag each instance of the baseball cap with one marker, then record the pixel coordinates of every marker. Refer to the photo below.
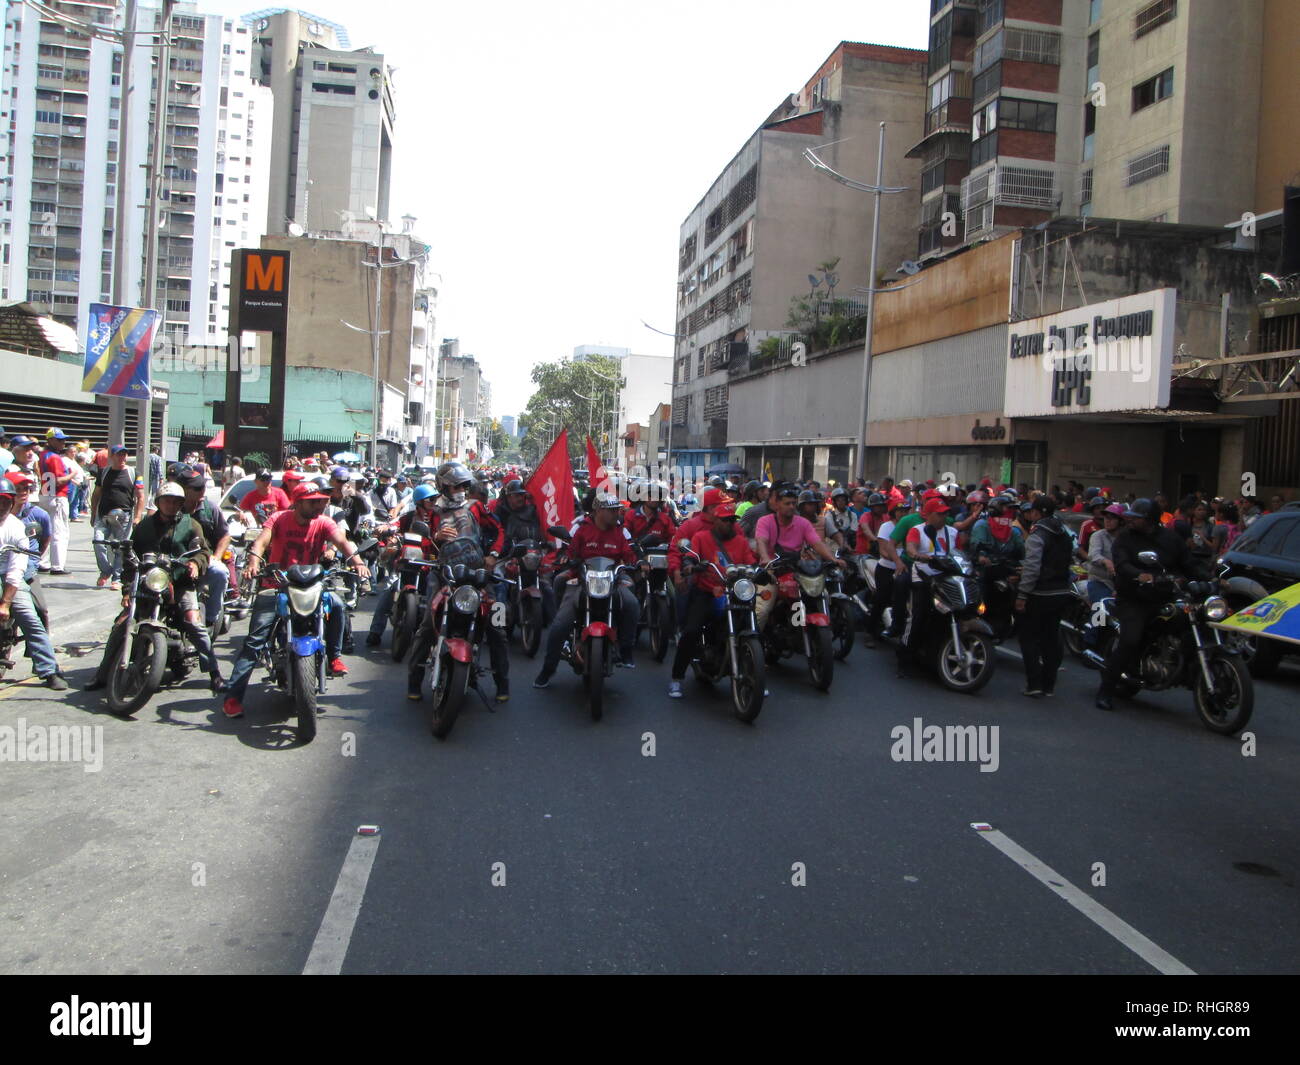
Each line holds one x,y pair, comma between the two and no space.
19,479
171,490
308,491
725,510
934,506
117,449
22,441
291,477
905,483
712,497
341,473
55,434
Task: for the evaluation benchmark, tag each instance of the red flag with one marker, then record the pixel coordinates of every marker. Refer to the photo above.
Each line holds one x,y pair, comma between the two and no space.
597,475
551,484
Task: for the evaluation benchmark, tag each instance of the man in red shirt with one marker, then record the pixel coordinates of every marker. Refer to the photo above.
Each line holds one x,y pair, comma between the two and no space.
697,522
601,537
55,481
263,493
649,517
296,536
723,546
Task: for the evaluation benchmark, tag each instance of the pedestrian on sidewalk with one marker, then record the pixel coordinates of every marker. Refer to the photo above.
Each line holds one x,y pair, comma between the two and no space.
17,600
117,504
31,514
78,485
155,472
26,458
56,480
1044,593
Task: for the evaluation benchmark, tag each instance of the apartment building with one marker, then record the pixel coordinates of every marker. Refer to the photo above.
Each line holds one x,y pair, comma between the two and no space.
769,219
333,146
62,161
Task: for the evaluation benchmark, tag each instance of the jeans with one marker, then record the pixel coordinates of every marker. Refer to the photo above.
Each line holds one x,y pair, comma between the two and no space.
383,608
261,618
1040,640
218,580
28,621
627,613
700,610
110,527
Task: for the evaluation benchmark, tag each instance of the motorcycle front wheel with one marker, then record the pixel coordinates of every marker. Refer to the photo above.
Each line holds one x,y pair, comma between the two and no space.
821,663
304,695
1226,707
750,681
530,625
842,628
594,678
405,619
958,676
137,672
448,694
660,626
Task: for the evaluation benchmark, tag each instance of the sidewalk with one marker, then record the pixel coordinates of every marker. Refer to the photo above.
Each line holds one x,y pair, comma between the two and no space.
80,613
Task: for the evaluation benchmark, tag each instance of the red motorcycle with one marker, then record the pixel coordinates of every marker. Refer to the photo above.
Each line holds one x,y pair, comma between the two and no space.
801,619
461,614
412,569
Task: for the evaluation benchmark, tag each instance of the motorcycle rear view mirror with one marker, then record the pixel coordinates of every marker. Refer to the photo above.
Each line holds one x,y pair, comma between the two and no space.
421,528
1148,558
559,532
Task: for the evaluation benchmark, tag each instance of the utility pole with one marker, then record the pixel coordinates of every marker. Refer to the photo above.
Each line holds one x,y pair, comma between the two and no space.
149,294
374,342
121,207
861,457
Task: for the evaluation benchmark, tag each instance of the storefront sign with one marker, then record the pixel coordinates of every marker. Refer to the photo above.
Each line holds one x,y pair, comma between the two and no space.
997,431
1112,356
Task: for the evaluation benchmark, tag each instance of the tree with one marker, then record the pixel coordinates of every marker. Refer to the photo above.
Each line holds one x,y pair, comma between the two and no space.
580,394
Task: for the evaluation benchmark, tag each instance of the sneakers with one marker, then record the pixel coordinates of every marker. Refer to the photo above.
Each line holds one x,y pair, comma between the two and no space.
116,586
373,639
1103,700
337,668
55,682
102,582
625,663
674,689
232,707
1032,693
543,679
503,690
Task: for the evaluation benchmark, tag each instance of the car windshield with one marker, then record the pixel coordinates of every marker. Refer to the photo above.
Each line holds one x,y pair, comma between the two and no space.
242,487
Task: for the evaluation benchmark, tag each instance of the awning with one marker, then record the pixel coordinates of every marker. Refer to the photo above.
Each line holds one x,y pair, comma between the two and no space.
218,442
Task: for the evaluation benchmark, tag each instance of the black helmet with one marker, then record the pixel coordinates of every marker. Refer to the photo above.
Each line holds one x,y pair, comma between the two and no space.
7,488
514,488
1142,508
751,489
787,491
809,496
717,481
876,499
606,501
451,475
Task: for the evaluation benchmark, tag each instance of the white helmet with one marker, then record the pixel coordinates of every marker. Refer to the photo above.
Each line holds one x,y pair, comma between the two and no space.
171,490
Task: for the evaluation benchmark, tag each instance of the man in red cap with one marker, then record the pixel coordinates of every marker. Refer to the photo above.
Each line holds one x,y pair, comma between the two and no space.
697,522
297,536
932,537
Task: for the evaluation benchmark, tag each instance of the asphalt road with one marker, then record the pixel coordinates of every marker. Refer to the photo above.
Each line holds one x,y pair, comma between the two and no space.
204,845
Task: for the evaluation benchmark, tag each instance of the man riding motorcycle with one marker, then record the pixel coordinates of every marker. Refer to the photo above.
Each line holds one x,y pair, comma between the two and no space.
601,537
453,518
650,516
933,536
169,531
423,498
783,533
1137,599
724,546
516,514
293,537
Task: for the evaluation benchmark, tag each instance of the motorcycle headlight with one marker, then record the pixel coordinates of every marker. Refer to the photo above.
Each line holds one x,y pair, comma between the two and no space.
940,605
465,599
157,580
600,583
305,600
1216,608
811,585
744,589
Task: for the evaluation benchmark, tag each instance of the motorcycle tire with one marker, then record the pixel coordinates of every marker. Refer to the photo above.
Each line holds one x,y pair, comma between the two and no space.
530,626
145,661
748,686
1074,641
843,629
405,619
657,621
594,678
6,648
1227,708
821,664
448,695
304,695
949,664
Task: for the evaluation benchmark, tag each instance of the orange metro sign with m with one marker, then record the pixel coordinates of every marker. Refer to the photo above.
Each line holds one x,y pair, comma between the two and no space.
263,291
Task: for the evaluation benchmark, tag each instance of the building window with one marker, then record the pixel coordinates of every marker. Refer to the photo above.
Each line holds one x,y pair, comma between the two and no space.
715,403
340,90
1085,187
1148,166
1153,90
984,149
1154,15
1094,60
1094,12
1033,115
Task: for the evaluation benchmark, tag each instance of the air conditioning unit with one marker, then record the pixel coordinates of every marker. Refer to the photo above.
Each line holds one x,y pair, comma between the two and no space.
314,28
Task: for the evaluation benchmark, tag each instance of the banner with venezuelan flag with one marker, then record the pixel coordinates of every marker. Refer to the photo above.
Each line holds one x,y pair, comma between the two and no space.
117,351
1277,616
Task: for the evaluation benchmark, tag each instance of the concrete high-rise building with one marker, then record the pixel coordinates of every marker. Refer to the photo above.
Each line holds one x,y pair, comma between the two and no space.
769,219
62,160
508,425
332,153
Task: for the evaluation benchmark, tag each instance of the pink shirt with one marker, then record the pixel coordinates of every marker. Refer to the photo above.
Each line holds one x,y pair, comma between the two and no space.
293,543
791,537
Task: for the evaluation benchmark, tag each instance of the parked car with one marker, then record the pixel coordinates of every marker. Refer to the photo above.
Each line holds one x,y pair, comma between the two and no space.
1262,561
229,504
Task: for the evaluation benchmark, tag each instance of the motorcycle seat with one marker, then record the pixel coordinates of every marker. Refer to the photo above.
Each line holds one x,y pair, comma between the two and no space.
301,576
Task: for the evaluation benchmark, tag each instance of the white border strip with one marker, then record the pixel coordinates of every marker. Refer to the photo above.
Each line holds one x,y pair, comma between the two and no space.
1160,960
331,945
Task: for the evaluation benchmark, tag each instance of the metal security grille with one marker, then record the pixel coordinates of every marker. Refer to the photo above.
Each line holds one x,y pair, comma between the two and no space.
1019,186
1032,46
976,189
1148,166
715,402
1085,187
1154,15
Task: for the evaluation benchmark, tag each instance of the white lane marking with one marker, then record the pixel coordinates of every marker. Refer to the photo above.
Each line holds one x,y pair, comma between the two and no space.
1157,958
331,945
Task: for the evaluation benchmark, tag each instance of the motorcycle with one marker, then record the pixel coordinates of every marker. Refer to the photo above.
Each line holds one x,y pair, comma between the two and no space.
998,579
154,643
654,593
589,648
368,529
843,621
735,649
521,572
294,654
460,610
800,622
411,572
1181,649
1088,626
959,644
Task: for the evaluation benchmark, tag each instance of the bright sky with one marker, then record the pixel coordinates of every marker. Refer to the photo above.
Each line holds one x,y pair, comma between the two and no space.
551,150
